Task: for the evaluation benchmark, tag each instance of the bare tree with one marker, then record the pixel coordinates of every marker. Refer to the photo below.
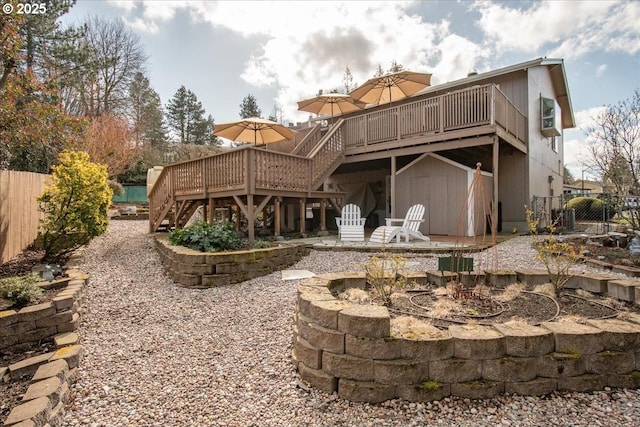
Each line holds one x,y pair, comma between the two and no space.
116,55
614,148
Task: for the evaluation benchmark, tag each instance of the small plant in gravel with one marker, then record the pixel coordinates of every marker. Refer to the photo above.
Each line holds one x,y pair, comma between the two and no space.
207,237
21,290
554,253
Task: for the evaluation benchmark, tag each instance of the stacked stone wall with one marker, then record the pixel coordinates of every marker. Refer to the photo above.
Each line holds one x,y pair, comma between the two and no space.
196,269
350,349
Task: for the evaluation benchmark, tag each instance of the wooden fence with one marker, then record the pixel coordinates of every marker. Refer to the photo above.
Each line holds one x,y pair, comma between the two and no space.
19,215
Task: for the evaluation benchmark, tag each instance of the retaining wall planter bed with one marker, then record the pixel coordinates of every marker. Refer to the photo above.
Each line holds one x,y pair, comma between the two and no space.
350,349
41,321
196,269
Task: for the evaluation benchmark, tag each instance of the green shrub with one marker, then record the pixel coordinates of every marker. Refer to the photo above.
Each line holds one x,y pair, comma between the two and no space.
261,244
75,205
21,290
207,237
590,209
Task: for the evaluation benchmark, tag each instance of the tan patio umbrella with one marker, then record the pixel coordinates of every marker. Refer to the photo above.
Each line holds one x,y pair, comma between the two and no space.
253,129
391,87
330,103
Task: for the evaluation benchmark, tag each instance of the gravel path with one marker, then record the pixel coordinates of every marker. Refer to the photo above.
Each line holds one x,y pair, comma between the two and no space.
160,355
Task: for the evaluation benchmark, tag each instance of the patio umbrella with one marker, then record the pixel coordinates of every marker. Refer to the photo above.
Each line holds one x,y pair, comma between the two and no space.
253,129
391,87
337,103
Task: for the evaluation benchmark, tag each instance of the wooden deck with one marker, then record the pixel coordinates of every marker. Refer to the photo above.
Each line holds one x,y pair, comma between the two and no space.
252,178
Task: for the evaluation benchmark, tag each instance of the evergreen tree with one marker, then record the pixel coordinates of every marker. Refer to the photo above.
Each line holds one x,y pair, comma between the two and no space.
186,118
395,67
379,71
146,113
249,107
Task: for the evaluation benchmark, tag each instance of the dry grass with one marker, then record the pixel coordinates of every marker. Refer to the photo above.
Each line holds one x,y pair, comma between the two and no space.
356,296
510,292
411,328
573,318
546,289
444,307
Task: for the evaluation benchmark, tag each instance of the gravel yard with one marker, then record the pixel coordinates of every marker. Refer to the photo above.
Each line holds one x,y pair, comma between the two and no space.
156,354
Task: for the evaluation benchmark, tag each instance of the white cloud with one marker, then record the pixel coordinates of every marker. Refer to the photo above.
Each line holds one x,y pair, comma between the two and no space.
567,29
600,70
576,141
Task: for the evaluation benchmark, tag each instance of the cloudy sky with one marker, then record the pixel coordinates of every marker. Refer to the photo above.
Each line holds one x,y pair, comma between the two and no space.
283,52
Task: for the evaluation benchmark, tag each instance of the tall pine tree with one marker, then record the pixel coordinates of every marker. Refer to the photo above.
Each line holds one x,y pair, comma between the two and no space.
249,107
186,118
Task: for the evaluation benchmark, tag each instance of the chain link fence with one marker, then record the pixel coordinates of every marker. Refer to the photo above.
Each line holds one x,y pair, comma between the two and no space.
589,213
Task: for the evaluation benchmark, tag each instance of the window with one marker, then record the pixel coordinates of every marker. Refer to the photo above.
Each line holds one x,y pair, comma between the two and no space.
550,117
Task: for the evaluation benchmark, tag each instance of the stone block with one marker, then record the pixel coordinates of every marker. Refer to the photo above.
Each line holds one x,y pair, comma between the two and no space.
373,348
572,337
17,329
630,380
532,277
318,379
55,320
524,340
557,365
72,354
38,334
441,278
582,383
65,339
500,278
623,289
8,317
511,369
625,269
455,370
322,338
400,371
365,321
215,280
71,326
477,389
57,368
594,284
472,341
307,354
423,392
364,391
325,313
49,388
28,366
438,348
345,366
470,279
63,302
418,277
189,279
619,335
536,387
37,410
611,362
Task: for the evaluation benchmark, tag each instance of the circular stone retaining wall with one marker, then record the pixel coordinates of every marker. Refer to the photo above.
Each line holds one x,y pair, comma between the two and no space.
197,269
350,349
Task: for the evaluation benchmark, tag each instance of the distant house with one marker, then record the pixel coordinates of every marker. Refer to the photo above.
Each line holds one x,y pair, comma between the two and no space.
423,149
580,187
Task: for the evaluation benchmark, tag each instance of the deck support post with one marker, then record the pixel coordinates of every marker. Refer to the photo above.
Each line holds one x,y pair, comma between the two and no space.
303,215
323,215
393,186
494,206
251,226
276,216
211,212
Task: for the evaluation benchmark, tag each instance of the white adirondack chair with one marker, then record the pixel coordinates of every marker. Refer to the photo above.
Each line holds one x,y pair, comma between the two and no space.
350,224
408,229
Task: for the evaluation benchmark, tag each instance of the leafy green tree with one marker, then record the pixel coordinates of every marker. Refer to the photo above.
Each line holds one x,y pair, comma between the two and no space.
185,117
75,205
10,43
249,107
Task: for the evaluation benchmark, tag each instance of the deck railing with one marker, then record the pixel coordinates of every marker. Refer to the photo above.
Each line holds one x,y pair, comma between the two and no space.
476,106
250,168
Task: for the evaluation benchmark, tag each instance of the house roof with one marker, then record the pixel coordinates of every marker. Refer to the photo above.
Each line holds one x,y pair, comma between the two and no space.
556,72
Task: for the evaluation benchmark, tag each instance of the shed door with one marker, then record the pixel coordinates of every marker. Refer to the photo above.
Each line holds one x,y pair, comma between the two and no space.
432,191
